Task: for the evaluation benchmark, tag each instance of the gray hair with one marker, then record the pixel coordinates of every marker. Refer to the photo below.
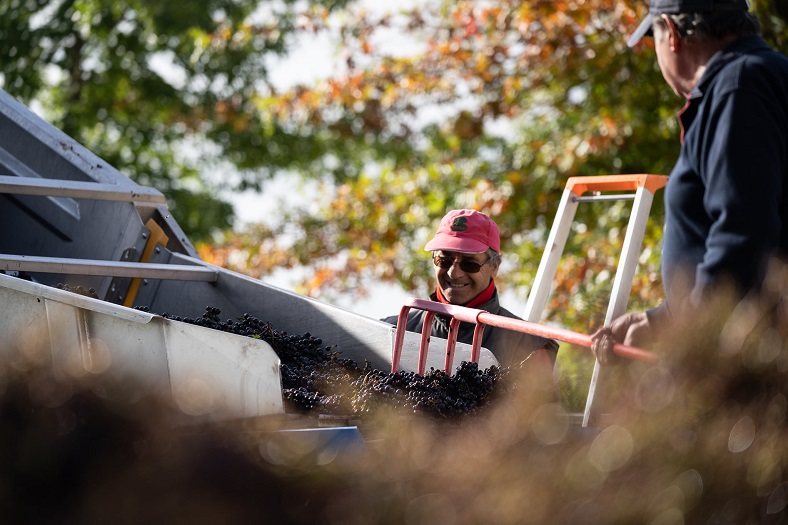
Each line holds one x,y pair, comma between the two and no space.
713,26
495,257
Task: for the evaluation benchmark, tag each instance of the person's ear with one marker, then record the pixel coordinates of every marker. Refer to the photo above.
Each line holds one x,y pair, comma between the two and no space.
673,33
494,270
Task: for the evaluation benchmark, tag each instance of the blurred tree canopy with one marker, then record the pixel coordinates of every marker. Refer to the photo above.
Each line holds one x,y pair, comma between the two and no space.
163,91
499,104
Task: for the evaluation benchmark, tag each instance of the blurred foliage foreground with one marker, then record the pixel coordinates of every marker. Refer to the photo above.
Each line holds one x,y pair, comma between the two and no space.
700,438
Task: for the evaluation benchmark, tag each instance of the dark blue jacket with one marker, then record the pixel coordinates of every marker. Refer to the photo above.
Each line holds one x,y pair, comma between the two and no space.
725,201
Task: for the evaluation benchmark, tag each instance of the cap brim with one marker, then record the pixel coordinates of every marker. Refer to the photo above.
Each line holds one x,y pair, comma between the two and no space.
455,244
643,29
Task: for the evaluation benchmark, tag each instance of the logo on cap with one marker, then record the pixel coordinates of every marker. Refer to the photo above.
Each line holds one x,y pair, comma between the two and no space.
459,224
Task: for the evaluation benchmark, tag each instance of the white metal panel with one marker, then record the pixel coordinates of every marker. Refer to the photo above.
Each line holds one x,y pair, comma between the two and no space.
207,371
85,340
214,371
23,325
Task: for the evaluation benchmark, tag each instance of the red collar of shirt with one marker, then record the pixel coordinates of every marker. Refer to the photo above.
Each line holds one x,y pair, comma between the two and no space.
477,301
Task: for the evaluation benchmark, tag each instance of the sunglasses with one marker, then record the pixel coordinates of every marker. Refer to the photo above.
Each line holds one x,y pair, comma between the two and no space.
465,265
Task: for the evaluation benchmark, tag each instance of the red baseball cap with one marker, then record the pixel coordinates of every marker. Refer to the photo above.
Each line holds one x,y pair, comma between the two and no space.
467,231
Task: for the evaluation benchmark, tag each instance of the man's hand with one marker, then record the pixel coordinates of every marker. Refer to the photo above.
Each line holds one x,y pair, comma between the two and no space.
632,329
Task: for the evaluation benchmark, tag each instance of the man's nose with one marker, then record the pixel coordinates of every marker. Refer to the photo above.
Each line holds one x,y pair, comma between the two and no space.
455,269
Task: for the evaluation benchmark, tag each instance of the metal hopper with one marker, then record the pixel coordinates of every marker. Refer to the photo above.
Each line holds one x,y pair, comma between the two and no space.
69,218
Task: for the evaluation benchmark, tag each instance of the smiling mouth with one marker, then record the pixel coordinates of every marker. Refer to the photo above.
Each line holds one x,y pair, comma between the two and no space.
456,285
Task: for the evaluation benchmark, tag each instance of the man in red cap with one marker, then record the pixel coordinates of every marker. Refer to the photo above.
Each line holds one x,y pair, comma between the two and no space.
466,254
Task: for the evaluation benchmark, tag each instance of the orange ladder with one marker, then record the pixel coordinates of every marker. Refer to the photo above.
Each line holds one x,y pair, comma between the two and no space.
641,189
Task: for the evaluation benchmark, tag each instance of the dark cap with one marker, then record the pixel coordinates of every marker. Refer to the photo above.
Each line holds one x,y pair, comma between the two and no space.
659,7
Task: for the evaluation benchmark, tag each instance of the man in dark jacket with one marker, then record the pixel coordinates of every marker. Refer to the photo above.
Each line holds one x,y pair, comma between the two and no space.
726,213
466,255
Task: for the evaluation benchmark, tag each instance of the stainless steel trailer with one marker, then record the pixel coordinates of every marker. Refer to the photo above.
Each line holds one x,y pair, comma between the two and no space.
70,218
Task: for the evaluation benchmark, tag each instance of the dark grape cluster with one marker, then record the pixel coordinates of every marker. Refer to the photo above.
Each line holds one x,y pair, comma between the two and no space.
317,378
435,393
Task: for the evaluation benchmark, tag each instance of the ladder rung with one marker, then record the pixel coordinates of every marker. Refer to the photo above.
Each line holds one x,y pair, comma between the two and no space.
623,197
78,190
182,272
580,185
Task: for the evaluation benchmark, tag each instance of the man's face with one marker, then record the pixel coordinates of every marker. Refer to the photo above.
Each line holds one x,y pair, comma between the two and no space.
458,286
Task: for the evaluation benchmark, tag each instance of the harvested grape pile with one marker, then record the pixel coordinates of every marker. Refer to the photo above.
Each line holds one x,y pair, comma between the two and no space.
317,378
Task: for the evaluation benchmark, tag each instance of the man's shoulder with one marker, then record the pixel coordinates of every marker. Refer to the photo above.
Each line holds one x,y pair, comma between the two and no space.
414,316
392,319
753,64
507,313
763,64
